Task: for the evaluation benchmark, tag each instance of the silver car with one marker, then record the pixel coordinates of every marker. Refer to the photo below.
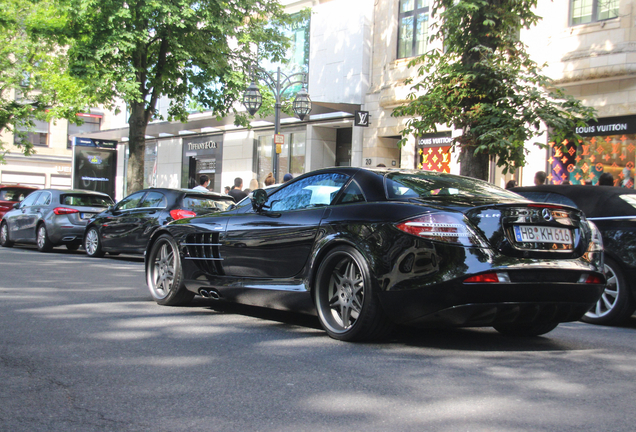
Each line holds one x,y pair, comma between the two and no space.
52,217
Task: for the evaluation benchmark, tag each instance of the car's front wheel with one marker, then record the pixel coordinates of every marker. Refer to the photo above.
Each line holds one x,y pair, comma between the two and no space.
346,299
617,303
42,239
4,235
92,244
164,275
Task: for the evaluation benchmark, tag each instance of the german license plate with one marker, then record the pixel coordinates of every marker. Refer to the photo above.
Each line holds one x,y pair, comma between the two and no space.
542,234
87,215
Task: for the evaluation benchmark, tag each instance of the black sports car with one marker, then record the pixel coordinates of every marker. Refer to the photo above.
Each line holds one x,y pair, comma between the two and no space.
127,226
613,210
368,248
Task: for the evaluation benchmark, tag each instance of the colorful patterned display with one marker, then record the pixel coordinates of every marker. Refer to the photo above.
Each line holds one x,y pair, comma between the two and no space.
592,157
434,158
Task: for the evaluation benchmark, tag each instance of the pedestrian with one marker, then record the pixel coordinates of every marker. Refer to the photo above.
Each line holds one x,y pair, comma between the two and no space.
270,180
227,190
511,183
237,191
605,179
287,177
539,178
204,182
253,184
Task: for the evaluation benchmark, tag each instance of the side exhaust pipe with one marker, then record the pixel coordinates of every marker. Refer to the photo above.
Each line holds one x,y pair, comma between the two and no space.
211,294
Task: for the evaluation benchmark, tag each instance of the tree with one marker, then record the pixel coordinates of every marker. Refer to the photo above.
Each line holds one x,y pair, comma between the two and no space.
34,83
483,83
195,52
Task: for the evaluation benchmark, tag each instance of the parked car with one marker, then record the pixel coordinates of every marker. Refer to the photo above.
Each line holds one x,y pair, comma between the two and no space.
613,210
364,249
52,217
10,195
127,227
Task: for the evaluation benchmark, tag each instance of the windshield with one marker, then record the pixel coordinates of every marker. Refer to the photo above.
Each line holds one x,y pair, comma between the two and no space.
86,200
200,203
433,185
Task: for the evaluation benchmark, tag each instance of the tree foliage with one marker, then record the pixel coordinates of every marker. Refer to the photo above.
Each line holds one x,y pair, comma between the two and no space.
34,79
195,52
484,83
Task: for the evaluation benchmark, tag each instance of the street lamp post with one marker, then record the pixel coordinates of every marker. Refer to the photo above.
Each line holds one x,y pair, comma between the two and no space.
278,84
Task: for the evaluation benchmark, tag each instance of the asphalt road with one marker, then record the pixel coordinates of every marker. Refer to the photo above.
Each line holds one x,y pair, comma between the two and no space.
84,348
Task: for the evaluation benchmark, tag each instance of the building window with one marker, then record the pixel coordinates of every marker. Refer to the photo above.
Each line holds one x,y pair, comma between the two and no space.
38,135
290,160
412,28
91,124
587,11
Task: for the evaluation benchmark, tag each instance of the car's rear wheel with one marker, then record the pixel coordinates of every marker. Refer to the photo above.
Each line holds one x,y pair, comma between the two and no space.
92,244
525,330
164,275
4,235
346,298
617,303
42,239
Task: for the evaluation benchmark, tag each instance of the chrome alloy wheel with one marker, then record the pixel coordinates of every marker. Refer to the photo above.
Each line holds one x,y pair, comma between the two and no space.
4,233
346,293
162,271
91,242
608,299
41,237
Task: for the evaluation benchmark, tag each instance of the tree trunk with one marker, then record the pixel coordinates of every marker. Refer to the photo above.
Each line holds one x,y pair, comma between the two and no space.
136,147
472,165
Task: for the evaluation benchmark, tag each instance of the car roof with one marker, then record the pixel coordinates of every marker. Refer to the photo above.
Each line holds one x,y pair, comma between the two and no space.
187,191
595,201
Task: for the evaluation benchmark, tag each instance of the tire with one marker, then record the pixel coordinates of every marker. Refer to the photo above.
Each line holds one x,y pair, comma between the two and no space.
164,275
72,246
617,302
525,330
92,243
42,239
346,298
4,236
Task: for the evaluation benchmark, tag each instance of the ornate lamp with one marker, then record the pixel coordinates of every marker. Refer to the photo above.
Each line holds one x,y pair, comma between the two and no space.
252,99
302,103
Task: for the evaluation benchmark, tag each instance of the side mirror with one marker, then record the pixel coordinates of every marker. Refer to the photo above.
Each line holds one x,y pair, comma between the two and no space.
16,205
259,198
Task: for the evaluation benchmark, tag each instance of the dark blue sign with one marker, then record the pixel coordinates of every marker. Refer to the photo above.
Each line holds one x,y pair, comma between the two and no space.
90,142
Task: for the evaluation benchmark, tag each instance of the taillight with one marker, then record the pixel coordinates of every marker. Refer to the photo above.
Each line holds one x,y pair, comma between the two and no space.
64,210
591,279
491,277
596,242
443,227
181,214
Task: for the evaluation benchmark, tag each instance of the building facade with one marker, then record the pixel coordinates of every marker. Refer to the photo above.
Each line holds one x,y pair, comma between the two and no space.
356,54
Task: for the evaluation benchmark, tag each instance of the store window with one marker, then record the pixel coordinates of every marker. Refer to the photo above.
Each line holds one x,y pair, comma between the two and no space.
91,124
433,152
587,11
290,160
608,146
150,164
38,135
412,28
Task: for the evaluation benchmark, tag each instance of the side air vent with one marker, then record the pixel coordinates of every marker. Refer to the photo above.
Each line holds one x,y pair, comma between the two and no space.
205,251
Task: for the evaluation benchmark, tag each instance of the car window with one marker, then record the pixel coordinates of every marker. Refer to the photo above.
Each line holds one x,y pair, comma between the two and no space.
131,201
352,194
44,199
433,185
548,197
629,199
154,200
28,201
14,194
88,200
201,203
315,191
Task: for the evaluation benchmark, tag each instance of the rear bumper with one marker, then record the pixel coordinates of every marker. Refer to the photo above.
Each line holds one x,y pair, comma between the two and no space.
459,304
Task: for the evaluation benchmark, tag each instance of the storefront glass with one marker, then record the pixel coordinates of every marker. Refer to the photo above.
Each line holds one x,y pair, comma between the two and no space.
608,146
290,160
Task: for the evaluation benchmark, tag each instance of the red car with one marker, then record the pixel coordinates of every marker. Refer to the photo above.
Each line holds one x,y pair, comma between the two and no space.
11,194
